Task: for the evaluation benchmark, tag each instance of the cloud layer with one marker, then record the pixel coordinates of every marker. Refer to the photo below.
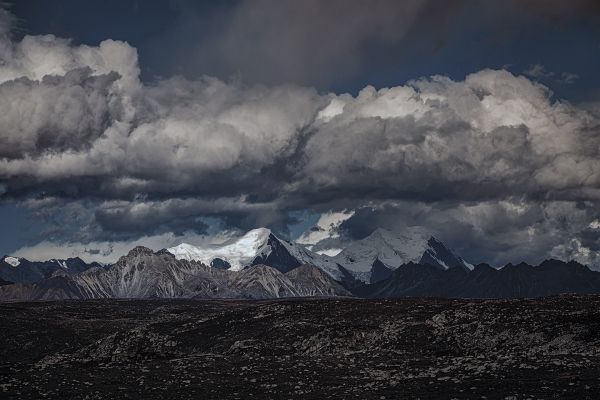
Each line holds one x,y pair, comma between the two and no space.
494,157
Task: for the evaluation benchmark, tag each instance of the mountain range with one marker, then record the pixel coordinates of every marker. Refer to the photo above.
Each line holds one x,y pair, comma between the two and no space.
551,277
17,269
143,273
367,260
261,265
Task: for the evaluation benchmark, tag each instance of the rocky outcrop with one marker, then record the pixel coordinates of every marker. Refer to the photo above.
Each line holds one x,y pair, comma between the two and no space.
302,349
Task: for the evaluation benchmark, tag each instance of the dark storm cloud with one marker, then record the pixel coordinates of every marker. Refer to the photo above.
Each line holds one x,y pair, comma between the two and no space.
131,219
123,224
58,113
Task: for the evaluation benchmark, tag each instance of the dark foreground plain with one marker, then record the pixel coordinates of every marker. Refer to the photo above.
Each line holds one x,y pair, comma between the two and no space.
310,349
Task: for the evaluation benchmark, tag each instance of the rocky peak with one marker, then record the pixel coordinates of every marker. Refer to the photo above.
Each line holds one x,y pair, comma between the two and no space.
140,250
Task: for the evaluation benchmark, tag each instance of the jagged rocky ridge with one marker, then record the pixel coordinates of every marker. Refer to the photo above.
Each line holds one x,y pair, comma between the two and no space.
512,281
146,274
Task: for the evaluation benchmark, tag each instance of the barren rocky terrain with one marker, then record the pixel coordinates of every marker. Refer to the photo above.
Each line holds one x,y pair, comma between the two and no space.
303,348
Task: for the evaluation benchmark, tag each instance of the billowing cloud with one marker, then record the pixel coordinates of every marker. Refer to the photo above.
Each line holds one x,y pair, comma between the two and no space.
493,156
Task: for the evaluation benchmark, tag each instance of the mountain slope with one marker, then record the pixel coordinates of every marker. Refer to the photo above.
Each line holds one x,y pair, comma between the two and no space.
262,282
3,282
309,280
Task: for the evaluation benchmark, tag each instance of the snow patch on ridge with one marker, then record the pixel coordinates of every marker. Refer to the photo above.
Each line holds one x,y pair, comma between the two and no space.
330,252
12,261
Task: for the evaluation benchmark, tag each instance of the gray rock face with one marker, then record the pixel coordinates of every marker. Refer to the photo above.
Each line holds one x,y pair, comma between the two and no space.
262,282
145,274
312,281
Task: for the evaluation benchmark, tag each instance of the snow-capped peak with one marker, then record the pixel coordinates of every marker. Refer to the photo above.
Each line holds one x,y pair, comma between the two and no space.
392,249
261,246
12,261
236,252
258,246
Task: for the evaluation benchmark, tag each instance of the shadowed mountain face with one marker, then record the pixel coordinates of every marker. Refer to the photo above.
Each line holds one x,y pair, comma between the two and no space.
438,255
278,257
15,269
513,281
379,271
145,274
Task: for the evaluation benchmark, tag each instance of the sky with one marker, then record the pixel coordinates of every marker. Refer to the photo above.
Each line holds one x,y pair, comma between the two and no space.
161,122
